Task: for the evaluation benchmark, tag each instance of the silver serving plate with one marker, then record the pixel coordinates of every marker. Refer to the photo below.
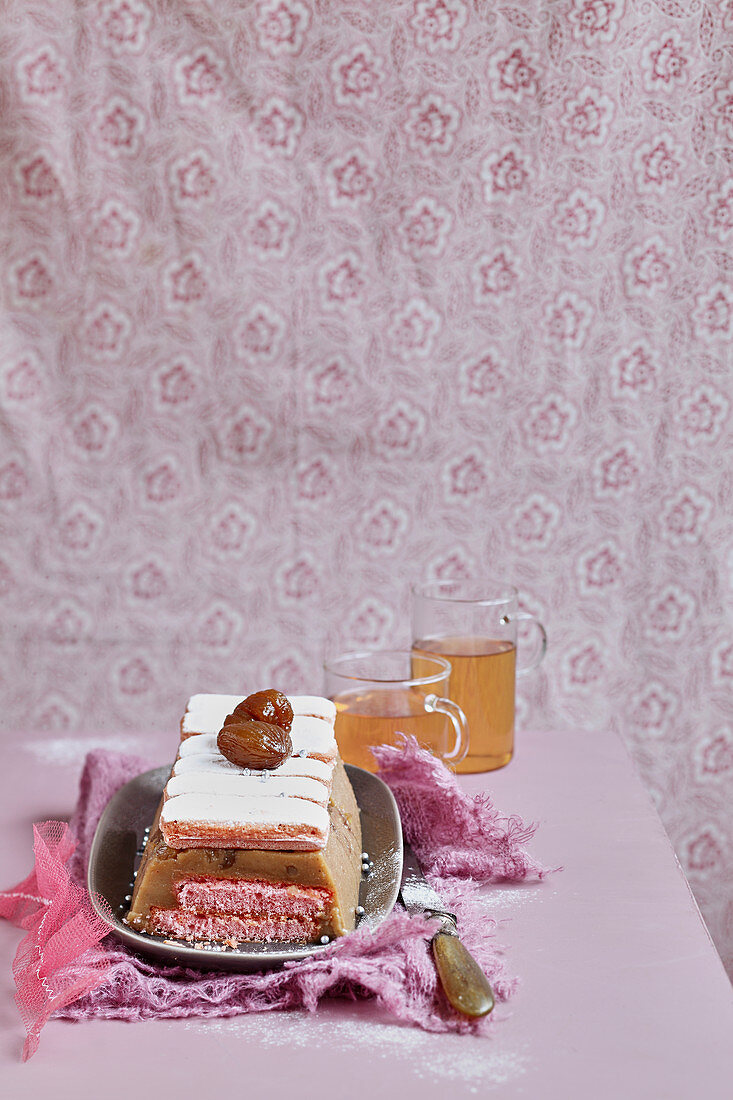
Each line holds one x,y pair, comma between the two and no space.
120,836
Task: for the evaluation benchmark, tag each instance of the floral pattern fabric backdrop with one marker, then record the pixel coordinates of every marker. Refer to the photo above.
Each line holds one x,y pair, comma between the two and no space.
303,300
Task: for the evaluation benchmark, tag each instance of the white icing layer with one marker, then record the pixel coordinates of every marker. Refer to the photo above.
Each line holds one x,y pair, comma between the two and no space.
252,787
193,759
317,706
309,736
205,713
313,737
238,820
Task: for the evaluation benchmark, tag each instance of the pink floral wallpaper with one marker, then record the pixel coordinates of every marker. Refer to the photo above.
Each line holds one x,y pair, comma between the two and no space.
302,300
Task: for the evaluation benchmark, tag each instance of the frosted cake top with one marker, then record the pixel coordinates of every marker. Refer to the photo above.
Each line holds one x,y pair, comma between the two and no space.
211,802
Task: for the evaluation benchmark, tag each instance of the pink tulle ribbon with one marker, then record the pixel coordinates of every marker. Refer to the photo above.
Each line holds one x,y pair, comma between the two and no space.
56,962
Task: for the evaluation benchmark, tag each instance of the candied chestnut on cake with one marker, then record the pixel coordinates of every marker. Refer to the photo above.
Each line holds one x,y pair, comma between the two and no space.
256,733
267,706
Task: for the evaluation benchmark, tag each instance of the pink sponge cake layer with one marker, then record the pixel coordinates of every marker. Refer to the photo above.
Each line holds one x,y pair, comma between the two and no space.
231,910
183,925
206,895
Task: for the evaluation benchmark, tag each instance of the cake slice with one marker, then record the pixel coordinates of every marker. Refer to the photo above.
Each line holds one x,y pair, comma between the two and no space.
252,854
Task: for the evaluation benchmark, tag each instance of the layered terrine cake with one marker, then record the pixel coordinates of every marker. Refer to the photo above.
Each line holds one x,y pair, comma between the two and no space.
257,836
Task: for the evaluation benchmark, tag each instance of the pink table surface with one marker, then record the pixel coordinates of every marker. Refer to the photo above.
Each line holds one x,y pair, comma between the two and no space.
622,992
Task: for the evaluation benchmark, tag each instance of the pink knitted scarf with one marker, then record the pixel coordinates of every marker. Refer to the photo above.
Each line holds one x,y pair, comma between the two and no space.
68,965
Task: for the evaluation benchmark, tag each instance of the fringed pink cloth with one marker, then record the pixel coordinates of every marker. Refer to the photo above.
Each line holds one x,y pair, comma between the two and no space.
451,833
66,967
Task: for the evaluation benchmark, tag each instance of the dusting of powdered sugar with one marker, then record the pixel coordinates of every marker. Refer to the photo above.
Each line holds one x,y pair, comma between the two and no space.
481,1063
65,751
508,897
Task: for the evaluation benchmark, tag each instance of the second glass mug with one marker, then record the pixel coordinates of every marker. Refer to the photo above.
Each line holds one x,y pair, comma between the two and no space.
473,624
384,692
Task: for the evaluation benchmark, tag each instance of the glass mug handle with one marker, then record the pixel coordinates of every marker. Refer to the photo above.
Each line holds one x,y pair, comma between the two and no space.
526,617
460,725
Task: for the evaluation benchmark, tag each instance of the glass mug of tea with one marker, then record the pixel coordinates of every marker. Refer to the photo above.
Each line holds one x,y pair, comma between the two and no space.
473,624
381,693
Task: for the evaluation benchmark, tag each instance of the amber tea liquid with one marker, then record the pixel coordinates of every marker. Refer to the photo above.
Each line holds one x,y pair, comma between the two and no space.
374,716
482,679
